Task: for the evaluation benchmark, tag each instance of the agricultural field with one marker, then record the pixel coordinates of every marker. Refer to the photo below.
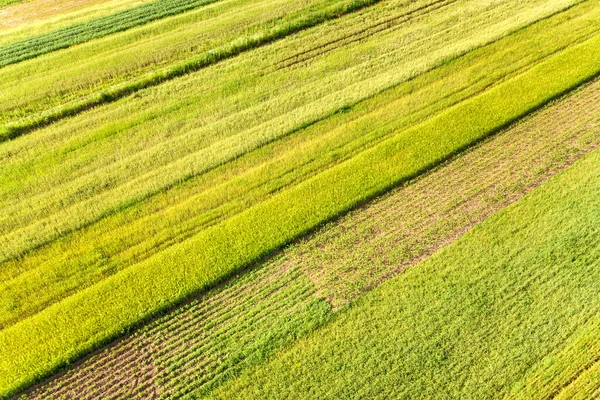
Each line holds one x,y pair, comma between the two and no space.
309,199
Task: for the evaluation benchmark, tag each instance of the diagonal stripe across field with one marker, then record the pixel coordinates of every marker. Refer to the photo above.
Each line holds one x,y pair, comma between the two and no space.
202,344
96,28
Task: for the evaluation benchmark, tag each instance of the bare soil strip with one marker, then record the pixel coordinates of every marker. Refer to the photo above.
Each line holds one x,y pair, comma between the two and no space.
371,244
200,345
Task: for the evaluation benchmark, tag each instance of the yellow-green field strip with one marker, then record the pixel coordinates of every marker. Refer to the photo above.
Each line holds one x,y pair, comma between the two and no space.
247,37
84,169
34,347
509,311
199,346
65,83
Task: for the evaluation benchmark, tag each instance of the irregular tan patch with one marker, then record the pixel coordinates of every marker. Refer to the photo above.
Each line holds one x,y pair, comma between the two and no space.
381,239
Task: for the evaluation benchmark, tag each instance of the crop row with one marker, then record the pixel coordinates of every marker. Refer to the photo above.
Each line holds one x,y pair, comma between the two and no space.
205,344
80,33
123,64
129,237
182,346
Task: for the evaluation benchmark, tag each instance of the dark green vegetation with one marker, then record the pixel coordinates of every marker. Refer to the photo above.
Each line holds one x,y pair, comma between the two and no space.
164,159
80,33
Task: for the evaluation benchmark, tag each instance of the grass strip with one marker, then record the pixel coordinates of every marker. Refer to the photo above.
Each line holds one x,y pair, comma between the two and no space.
83,32
37,346
286,26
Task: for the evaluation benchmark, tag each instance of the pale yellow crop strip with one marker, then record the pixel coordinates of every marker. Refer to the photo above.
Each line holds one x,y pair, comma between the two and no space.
119,58
219,152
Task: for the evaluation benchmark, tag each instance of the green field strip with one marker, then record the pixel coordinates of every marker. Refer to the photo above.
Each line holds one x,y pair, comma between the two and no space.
37,17
136,293
221,330
571,369
78,261
532,150
248,38
471,321
80,33
137,163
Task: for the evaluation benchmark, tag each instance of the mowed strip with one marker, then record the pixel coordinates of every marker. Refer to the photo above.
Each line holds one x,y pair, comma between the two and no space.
88,256
36,346
197,347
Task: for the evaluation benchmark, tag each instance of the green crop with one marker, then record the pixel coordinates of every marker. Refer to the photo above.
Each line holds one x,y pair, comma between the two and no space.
123,239
80,33
509,310
96,314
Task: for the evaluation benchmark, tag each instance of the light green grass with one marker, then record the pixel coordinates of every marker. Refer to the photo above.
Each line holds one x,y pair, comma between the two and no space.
121,240
480,319
77,324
